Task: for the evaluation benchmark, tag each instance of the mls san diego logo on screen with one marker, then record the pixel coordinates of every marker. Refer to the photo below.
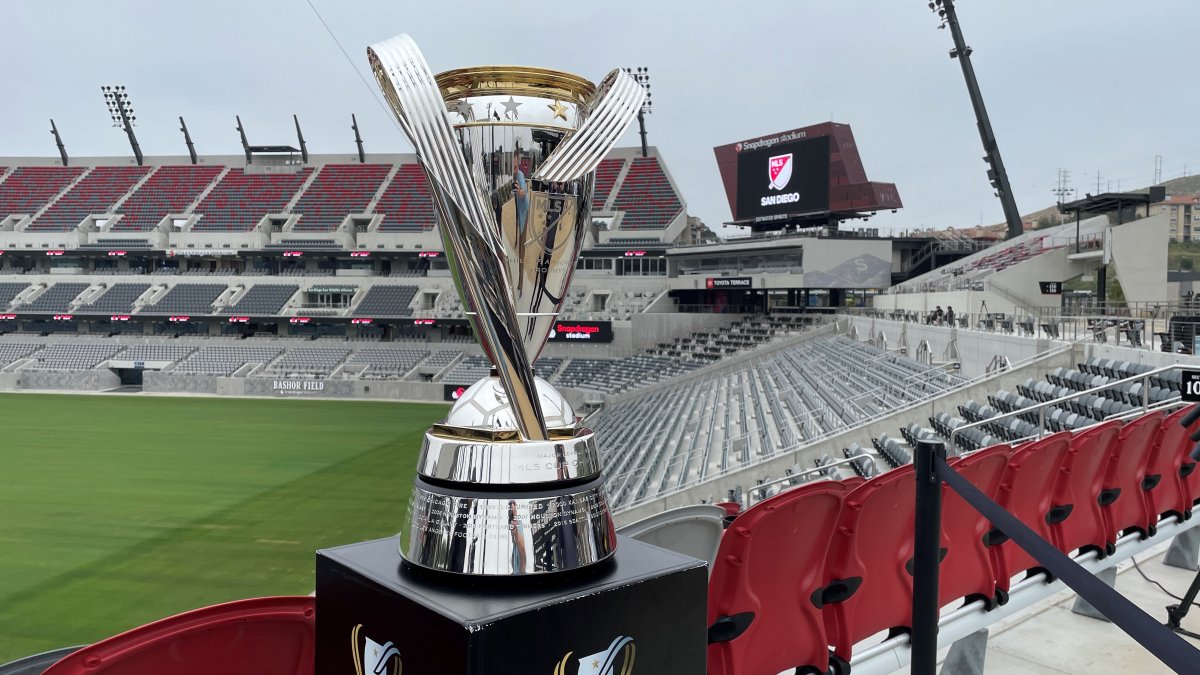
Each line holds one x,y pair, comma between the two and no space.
372,658
616,660
780,169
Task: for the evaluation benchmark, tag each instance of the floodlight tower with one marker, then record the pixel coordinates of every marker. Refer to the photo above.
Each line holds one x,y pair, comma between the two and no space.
996,173
642,75
121,111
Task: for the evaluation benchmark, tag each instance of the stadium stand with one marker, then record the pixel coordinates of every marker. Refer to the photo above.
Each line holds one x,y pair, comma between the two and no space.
337,191
308,362
386,300
28,188
262,300
242,199
607,173
171,189
116,299
11,352
187,299
407,204
10,290
386,362
226,359
646,196
96,193
74,356
156,352
55,299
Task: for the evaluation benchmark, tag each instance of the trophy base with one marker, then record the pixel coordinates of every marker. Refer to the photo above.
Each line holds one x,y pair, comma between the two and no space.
482,533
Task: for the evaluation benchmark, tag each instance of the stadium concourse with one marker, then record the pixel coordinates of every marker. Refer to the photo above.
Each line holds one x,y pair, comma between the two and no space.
715,372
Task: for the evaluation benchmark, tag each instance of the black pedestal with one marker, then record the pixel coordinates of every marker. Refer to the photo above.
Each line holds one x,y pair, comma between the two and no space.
644,612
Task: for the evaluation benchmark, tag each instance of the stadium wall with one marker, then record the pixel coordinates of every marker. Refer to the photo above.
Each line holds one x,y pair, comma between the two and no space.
1139,252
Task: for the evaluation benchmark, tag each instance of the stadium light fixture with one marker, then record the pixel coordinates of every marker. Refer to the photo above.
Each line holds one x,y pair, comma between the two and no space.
997,176
641,75
120,109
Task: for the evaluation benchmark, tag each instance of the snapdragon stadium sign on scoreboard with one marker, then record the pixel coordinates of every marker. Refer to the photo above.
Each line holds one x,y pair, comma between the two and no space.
581,331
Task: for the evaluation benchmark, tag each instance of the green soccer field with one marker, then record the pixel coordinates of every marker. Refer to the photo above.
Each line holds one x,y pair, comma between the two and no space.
115,511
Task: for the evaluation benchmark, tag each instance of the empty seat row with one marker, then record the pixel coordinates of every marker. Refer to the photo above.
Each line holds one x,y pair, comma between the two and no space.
802,577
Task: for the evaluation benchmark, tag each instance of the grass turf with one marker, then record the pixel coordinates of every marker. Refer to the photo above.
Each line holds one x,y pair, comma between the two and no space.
115,511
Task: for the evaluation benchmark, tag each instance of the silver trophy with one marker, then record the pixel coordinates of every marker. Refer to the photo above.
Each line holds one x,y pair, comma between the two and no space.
510,483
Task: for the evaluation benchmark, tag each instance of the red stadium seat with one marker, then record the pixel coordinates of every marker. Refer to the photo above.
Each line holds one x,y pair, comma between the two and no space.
1082,481
1166,487
874,543
967,570
261,636
1123,501
768,583
1027,491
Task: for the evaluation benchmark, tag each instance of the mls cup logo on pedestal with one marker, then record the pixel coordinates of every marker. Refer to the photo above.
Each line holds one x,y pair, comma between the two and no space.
616,660
372,658
510,483
779,168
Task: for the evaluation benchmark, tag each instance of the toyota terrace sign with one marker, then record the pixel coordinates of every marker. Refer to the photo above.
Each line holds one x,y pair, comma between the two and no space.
728,282
581,331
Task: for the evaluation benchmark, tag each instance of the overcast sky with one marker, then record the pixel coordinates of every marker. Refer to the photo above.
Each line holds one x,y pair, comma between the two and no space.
1093,86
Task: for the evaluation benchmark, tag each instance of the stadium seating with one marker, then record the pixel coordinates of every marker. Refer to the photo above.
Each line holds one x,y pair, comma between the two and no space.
74,357
386,362
150,352
1124,504
1165,484
337,191
266,636
386,300
96,193
10,351
117,299
10,290
407,204
171,189
646,196
769,584
187,299
29,188
779,596
225,359
308,362
607,173
691,530
56,299
242,199
262,300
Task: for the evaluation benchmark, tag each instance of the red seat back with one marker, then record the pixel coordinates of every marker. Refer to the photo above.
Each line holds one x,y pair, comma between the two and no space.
1166,489
770,563
1126,507
874,543
261,636
967,570
1084,471
1027,491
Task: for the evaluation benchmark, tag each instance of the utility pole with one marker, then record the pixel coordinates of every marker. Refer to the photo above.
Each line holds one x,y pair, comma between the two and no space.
245,143
996,172
121,111
300,137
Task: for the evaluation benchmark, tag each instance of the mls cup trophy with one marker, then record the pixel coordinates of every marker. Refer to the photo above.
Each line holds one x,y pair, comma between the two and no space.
510,483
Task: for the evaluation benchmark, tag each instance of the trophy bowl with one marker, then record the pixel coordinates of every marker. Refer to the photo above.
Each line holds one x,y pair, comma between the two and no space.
511,482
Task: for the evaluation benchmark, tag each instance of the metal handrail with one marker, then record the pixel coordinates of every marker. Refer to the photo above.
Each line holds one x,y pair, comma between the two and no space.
1144,378
803,474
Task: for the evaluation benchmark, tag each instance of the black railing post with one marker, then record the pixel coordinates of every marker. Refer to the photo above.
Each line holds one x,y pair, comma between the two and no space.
927,535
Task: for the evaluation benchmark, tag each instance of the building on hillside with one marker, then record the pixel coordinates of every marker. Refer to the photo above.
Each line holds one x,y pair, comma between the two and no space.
1181,210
